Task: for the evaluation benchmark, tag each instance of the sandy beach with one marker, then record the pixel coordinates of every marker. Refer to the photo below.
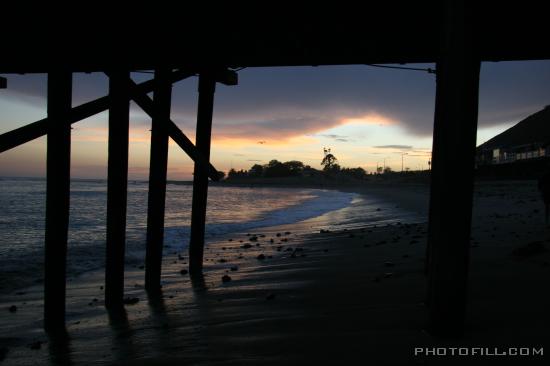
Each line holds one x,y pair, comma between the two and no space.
331,298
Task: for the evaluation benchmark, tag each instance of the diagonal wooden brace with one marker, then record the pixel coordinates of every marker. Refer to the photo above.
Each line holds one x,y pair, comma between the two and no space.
146,103
37,129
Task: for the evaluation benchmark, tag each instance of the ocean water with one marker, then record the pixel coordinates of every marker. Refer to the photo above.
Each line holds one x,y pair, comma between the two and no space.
231,210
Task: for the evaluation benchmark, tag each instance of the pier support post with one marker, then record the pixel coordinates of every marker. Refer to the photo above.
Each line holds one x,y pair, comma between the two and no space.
452,175
58,167
117,185
207,87
157,179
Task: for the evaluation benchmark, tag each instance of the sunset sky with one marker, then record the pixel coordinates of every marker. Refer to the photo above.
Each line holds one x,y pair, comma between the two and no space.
366,115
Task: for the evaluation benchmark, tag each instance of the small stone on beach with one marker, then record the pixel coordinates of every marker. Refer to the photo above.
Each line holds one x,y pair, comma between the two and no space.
261,257
12,309
184,272
226,278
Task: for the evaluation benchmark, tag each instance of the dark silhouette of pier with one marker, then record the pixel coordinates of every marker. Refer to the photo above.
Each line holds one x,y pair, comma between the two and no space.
455,36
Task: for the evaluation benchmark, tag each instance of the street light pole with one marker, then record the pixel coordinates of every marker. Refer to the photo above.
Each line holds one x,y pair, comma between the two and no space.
402,154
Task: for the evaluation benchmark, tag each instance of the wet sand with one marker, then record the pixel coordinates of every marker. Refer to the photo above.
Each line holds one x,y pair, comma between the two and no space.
346,297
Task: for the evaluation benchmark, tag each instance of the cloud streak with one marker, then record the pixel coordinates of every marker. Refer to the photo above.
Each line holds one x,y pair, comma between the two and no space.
398,147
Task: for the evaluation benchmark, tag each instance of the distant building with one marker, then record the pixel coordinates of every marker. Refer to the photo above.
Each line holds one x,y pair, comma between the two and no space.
528,139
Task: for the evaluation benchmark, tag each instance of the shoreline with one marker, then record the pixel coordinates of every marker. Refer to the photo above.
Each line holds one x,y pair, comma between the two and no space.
133,257
292,307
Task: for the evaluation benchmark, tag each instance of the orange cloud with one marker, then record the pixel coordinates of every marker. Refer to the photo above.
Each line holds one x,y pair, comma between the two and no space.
280,131
369,119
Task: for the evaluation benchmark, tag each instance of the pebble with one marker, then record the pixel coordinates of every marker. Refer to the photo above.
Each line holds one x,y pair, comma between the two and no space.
226,278
12,309
261,257
184,272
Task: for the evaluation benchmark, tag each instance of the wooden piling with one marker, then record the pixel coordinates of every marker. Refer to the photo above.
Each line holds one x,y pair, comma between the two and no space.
117,186
57,198
157,179
207,87
454,144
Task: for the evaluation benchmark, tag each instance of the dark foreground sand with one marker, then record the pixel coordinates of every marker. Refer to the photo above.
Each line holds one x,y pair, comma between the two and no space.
339,298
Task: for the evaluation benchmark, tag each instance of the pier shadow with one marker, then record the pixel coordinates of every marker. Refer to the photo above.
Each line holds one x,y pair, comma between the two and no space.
198,283
162,323
156,303
122,333
59,350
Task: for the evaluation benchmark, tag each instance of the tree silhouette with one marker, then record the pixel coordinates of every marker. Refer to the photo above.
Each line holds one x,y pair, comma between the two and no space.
328,161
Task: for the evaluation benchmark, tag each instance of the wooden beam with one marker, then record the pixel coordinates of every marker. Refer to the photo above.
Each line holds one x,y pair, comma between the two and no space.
58,167
207,87
227,77
157,179
454,143
117,185
145,103
29,132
